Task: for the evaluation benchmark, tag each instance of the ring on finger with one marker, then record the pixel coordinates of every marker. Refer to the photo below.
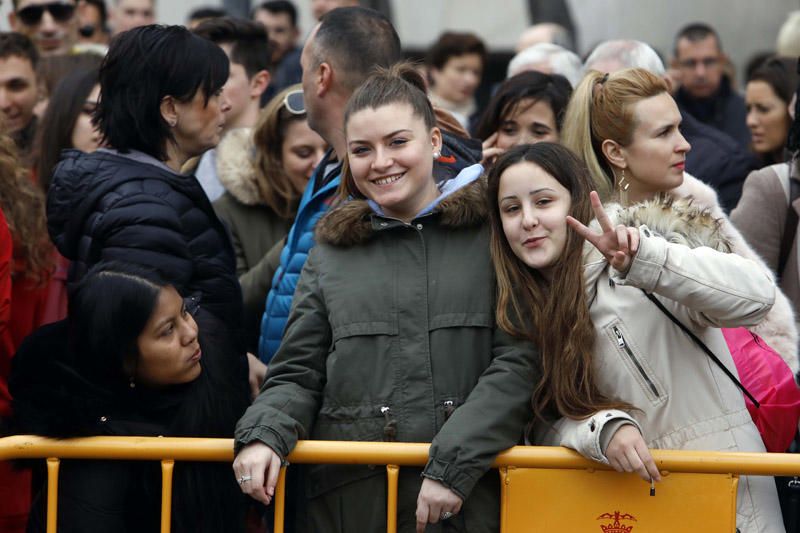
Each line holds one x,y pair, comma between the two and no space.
445,515
244,478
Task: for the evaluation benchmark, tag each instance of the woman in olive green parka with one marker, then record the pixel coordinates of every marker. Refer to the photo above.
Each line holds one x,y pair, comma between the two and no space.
392,337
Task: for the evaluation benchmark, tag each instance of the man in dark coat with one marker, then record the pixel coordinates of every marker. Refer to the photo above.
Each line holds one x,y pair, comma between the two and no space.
705,91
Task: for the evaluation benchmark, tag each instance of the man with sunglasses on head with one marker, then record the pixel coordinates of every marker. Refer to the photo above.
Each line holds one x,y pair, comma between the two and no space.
52,25
246,44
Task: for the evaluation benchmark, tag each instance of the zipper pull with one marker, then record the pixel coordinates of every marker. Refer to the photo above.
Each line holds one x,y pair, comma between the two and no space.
620,338
449,408
390,429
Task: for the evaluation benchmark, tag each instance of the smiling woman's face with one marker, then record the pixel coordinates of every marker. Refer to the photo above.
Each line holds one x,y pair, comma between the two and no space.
390,152
533,210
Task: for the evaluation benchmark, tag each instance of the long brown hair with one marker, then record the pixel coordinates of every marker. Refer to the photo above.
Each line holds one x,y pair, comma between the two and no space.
553,314
274,185
22,204
602,108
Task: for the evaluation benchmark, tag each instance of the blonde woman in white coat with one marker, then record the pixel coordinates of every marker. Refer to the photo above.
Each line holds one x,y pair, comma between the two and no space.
621,375
625,128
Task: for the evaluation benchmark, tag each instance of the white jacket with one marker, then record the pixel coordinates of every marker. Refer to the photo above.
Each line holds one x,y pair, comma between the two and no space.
642,358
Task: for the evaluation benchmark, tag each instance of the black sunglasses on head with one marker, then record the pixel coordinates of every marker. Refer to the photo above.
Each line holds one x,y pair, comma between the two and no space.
32,15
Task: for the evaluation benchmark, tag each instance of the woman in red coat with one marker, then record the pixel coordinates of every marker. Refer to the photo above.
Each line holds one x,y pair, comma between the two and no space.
25,268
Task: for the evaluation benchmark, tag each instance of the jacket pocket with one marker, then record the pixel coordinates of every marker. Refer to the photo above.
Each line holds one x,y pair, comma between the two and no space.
636,364
361,362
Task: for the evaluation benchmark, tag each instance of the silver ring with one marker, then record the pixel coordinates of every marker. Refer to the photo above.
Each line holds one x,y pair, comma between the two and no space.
244,478
445,515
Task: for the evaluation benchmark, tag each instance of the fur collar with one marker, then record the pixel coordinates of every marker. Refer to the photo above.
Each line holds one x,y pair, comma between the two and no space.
351,223
235,159
678,220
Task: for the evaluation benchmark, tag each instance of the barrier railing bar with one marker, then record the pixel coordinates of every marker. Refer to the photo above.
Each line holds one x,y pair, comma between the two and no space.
392,473
280,502
400,454
52,494
167,467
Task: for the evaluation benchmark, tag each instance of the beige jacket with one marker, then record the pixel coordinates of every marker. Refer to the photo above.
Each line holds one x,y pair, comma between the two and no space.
761,216
644,359
778,328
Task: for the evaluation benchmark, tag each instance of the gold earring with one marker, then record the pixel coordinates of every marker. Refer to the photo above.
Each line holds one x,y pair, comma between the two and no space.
623,183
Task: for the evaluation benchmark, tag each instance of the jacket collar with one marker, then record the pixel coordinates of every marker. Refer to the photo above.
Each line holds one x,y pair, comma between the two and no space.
355,222
235,166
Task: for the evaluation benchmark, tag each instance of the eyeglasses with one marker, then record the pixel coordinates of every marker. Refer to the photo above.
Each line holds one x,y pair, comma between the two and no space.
294,102
32,15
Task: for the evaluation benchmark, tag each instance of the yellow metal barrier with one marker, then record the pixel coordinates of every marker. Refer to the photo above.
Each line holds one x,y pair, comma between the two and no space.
529,476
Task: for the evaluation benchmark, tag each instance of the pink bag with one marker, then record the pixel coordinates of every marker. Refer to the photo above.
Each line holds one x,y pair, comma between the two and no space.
769,379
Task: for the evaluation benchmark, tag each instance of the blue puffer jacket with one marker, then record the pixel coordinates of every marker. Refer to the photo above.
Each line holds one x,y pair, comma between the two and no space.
299,242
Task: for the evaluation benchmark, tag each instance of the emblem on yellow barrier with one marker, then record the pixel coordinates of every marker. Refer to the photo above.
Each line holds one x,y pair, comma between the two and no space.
617,525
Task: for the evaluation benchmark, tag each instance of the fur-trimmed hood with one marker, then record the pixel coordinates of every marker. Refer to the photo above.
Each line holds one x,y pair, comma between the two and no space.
354,222
235,166
678,220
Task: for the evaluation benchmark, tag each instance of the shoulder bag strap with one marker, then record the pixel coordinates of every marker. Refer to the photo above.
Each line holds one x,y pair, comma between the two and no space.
702,346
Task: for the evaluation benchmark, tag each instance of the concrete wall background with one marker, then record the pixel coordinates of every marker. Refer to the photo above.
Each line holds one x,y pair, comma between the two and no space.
745,26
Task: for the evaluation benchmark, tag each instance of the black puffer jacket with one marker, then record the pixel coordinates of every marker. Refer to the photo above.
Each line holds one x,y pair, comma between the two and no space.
107,206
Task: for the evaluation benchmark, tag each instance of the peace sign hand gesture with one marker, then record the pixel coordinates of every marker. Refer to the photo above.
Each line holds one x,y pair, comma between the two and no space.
617,244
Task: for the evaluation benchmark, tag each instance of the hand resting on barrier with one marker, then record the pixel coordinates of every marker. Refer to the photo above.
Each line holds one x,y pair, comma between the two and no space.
256,468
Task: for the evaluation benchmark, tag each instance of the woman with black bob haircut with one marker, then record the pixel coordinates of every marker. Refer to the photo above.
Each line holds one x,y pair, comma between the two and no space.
160,104
526,109
128,361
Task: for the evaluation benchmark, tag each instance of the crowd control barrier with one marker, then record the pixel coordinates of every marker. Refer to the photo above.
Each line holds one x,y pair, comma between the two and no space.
543,488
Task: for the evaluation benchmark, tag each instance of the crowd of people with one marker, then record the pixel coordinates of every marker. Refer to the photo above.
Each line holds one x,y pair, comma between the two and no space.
220,230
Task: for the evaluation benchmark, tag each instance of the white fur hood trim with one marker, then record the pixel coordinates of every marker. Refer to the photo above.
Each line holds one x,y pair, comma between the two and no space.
235,159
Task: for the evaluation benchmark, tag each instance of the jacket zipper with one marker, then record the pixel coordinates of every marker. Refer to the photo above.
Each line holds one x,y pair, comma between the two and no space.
390,428
449,408
624,346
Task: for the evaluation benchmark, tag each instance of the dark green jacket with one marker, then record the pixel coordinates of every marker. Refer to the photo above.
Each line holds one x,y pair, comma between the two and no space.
255,228
392,337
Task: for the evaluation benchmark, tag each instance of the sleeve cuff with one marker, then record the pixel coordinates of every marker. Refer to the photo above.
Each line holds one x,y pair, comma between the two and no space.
648,263
456,480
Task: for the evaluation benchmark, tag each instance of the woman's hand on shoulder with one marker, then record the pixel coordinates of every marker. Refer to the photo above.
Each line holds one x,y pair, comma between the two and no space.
617,244
256,468
435,499
627,452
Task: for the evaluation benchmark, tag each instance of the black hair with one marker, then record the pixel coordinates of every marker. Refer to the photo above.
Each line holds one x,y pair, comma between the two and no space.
86,379
793,139
453,44
694,32
54,133
248,39
16,44
553,89
143,65
780,74
276,7
206,12
355,40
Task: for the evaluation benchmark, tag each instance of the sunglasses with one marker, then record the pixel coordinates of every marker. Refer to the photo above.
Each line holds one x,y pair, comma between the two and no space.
294,102
32,15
